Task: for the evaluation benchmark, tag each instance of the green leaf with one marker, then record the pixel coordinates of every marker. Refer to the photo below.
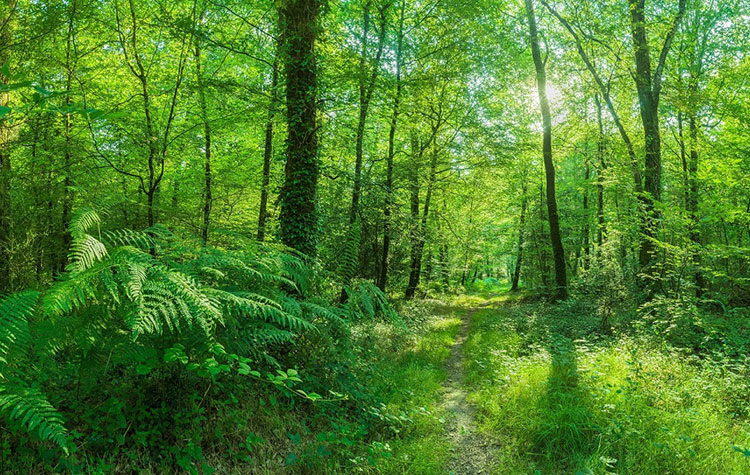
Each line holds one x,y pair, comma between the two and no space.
4,110
143,369
291,459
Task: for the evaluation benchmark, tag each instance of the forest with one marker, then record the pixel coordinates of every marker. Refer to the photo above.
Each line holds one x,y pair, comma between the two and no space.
375,236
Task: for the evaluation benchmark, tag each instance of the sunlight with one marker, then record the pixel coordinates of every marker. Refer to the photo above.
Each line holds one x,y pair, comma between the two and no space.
554,96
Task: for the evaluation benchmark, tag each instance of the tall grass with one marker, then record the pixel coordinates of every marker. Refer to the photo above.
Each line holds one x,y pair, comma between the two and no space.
561,399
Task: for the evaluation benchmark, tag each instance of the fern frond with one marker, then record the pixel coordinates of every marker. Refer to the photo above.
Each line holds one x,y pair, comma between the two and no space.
28,407
15,311
85,251
83,220
128,237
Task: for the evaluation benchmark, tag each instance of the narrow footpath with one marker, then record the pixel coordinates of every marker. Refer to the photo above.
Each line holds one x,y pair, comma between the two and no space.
472,453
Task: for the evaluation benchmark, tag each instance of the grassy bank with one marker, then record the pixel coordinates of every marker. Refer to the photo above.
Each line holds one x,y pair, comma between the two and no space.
560,398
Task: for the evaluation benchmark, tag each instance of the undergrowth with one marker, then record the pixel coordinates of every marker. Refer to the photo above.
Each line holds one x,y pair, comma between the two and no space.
561,396
157,354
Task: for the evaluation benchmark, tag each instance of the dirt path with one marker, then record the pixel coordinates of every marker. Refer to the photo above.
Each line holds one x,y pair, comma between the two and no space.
472,452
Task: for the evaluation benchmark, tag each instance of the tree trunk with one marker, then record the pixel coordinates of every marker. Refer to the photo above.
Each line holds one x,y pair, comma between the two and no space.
519,252
601,227
6,35
416,268
692,206
561,278
414,225
649,88
207,196
67,199
366,87
298,216
268,151
586,227
444,266
387,211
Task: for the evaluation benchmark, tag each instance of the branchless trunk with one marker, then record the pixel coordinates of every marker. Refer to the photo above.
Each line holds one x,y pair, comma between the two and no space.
683,160
420,232
586,227
367,79
298,217
6,36
601,230
268,150
519,251
558,253
541,245
387,211
692,206
414,214
207,196
67,200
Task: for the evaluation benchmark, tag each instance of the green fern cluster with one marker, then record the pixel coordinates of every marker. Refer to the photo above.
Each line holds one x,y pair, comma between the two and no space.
144,301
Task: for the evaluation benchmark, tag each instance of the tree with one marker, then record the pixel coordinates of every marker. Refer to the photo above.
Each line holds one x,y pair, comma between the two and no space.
649,91
7,10
388,209
558,253
298,217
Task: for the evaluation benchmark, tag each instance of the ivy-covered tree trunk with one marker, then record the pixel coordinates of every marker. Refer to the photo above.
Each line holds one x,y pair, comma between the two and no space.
6,35
298,217
558,253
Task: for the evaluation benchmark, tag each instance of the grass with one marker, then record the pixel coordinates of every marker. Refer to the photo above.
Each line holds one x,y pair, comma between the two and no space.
401,370
559,398
418,376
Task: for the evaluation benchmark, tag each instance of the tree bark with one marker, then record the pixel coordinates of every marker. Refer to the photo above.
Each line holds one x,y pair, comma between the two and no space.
298,216
649,89
692,207
207,195
366,88
561,278
6,37
601,230
387,211
519,251
268,151
586,228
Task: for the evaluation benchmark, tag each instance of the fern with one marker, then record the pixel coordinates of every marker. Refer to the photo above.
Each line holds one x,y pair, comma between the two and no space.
350,257
15,310
119,304
85,251
28,407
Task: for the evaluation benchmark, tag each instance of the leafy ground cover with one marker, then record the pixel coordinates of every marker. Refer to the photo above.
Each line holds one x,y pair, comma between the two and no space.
560,397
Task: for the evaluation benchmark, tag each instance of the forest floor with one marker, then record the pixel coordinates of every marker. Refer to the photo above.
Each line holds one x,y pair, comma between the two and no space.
537,388
501,383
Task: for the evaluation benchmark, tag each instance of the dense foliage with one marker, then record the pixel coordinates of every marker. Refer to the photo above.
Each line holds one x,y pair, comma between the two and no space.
209,209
